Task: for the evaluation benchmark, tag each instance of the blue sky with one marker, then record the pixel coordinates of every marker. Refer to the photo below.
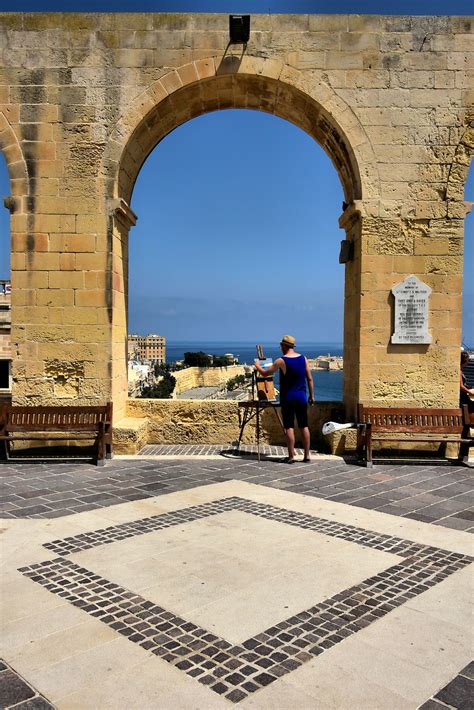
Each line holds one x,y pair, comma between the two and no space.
250,181
255,250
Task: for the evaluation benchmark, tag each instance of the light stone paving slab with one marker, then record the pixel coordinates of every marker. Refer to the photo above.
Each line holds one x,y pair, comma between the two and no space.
423,639
22,597
433,602
92,666
183,594
55,647
148,685
380,666
36,625
336,688
426,638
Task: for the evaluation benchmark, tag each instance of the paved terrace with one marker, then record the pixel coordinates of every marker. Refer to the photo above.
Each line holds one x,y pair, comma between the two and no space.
189,579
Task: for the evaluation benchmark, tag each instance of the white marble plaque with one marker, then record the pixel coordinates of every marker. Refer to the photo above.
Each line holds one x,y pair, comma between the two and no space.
411,311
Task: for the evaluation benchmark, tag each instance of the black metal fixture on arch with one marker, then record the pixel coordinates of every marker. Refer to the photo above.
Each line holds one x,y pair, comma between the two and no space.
239,29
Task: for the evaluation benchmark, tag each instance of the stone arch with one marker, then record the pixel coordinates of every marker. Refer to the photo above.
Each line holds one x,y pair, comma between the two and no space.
16,164
253,83
262,84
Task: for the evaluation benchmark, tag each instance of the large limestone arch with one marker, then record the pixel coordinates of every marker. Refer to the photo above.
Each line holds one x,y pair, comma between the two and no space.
387,97
214,84
253,83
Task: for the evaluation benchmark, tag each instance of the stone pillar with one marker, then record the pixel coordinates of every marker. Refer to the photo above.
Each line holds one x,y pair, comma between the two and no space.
409,375
121,219
61,316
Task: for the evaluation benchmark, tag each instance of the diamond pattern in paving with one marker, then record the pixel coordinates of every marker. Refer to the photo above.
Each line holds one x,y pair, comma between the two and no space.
238,670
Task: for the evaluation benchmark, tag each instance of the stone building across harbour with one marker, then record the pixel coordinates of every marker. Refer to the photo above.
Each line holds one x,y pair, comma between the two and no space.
85,97
147,347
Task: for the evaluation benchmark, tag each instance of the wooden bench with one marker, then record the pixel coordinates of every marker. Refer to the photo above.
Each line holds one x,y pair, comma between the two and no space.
58,424
439,426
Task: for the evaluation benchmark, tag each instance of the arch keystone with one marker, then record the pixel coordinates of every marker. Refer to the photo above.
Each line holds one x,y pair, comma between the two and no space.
205,68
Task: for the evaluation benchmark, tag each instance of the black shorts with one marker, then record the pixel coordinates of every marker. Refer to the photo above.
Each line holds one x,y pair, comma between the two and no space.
290,410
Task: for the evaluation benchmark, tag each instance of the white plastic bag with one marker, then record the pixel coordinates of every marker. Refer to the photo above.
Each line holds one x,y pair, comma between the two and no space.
331,427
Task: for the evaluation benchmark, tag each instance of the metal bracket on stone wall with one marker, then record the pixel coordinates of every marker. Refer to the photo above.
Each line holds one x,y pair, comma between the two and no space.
119,209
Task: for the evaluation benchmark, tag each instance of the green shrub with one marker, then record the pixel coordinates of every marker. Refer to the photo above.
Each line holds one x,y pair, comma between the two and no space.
162,390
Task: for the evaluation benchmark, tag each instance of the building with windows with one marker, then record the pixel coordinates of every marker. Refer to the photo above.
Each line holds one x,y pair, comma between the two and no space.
147,347
5,338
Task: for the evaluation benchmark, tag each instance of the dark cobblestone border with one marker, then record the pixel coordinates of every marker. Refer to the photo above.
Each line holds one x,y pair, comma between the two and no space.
235,671
17,693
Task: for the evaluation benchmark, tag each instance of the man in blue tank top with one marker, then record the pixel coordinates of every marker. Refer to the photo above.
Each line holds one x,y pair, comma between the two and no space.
294,376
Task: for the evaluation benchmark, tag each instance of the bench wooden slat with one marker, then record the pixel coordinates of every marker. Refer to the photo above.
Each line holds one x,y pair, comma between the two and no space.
426,440
444,426
47,437
58,423
42,426
400,429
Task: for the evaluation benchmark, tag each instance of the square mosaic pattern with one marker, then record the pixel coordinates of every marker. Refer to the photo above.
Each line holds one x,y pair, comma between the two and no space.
235,671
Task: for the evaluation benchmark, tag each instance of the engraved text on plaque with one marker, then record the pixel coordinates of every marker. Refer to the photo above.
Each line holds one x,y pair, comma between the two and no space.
411,311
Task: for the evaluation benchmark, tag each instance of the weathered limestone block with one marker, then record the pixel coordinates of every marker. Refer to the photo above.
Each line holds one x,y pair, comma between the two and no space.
204,377
387,237
130,435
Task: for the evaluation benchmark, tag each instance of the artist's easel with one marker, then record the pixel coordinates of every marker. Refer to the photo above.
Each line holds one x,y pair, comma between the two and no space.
263,397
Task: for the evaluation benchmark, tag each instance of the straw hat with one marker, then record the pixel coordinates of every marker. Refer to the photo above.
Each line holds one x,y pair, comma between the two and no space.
288,340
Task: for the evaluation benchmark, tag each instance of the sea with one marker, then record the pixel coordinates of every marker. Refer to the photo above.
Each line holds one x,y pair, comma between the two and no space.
327,385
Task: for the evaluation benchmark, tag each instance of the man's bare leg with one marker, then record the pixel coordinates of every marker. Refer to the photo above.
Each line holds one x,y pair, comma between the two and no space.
305,438
290,442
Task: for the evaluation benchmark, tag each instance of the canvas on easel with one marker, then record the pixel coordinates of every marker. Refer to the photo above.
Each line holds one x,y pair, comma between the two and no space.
265,389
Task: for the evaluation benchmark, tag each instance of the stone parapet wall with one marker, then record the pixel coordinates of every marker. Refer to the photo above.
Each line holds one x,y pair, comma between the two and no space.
204,377
188,421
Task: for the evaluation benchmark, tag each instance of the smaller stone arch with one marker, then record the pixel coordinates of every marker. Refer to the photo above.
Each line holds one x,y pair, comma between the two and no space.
16,164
